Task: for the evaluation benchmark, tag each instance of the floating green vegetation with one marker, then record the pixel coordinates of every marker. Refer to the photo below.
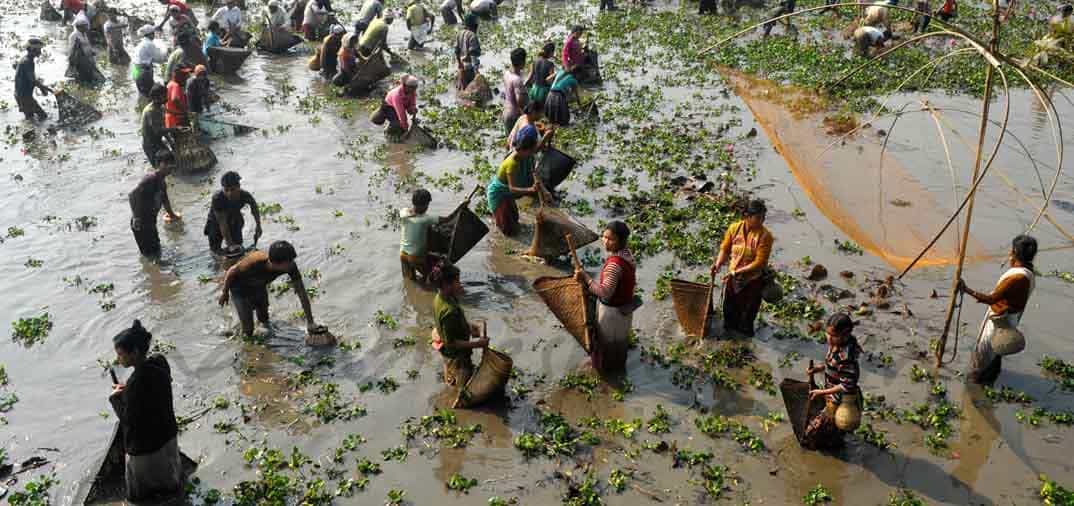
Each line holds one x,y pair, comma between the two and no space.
385,320
584,383
3,376
691,458
557,438
874,437
715,480
917,374
1053,494
441,426
33,330
461,483
1063,371
33,263
34,493
397,453
396,497
403,342
584,493
817,495
328,405
904,498
618,479
848,247
13,232
1008,395
762,380
660,423
1064,275
368,467
1039,415
717,425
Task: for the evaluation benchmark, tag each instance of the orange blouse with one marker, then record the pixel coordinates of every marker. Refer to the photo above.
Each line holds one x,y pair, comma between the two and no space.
748,252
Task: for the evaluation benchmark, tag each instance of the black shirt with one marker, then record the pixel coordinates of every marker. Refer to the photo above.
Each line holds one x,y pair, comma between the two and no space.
197,94
231,208
147,198
145,407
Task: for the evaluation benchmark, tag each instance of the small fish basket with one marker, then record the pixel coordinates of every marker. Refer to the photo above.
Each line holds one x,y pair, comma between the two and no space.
420,136
367,75
191,156
488,381
799,409
454,238
554,168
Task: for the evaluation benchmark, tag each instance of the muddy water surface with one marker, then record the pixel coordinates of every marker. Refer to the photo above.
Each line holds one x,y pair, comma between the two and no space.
338,212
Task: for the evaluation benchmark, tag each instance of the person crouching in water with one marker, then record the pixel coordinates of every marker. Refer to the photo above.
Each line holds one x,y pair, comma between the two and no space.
841,374
869,38
146,415
1007,303
400,104
615,292
512,181
246,286
452,334
414,237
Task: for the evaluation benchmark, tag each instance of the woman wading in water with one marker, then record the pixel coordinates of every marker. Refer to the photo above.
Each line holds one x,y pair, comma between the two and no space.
747,244
841,374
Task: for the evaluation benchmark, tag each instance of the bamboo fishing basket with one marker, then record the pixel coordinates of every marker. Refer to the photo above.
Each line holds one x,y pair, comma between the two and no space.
420,136
367,75
227,60
693,306
552,227
554,167
489,380
800,410
462,230
74,112
572,306
191,156
478,92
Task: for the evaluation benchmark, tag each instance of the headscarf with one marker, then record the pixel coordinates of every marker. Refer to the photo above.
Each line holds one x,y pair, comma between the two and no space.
81,19
409,81
146,30
338,29
526,137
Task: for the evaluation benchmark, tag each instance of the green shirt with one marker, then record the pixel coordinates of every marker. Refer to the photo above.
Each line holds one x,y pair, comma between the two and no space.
415,15
376,34
414,237
451,324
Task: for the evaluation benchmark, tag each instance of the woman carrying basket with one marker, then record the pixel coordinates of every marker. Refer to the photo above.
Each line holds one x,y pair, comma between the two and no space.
452,334
1007,303
842,397
615,293
747,244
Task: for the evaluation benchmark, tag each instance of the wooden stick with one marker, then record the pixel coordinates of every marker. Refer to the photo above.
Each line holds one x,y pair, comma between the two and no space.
987,102
574,253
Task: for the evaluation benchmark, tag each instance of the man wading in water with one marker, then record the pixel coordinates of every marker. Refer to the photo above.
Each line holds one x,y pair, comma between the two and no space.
146,199
225,220
246,285
26,80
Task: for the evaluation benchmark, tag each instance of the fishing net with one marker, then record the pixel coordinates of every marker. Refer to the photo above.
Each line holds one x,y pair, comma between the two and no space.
567,300
489,380
799,408
549,238
478,91
367,75
191,156
554,168
455,237
693,306
74,112
420,136
213,128
227,60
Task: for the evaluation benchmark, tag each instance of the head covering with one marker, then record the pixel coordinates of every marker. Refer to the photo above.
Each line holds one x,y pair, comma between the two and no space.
527,136
146,30
81,19
200,69
409,81
33,42
174,8
338,29
274,3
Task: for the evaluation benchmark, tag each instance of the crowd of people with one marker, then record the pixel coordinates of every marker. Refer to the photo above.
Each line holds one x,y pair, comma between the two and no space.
534,107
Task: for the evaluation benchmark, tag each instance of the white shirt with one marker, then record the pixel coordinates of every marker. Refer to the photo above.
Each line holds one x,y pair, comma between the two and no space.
482,5
78,38
370,9
277,19
148,53
228,17
872,33
314,13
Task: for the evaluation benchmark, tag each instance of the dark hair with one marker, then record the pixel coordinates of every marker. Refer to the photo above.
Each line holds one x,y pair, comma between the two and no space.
755,207
887,34
444,273
621,231
281,251
470,21
841,322
214,26
230,178
353,40
548,50
359,27
421,198
518,57
532,107
1024,248
577,29
134,339
1066,9
158,90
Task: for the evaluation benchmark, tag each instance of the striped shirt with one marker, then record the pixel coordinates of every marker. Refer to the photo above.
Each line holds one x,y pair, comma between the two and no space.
841,369
610,276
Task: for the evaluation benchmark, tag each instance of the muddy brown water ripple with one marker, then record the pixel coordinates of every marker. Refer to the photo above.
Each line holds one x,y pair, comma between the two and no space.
62,390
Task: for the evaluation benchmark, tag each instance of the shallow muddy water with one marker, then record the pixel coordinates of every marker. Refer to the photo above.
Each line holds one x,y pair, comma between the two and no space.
339,204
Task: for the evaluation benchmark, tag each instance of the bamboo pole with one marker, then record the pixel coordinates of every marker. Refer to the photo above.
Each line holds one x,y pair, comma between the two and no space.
953,302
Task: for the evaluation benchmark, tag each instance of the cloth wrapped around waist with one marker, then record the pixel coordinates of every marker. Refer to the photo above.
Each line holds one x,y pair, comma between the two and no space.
497,191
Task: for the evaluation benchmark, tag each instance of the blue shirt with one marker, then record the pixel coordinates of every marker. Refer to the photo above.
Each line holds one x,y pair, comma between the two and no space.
564,82
211,41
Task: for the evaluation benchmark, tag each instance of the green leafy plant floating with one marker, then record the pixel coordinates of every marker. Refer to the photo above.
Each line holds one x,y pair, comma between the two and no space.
583,494
1053,494
660,423
461,483
904,498
35,493
33,330
618,479
396,497
848,247
817,495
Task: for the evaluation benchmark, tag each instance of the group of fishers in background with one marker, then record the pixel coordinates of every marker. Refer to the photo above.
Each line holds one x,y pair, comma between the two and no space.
535,104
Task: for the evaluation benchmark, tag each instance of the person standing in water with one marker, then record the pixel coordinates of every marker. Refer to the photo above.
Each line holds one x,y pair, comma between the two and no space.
513,181
146,201
1007,302
145,55
615,295
746,246
225,222
514,91
26,81
153,129
467,52
451,336
246,286
143,404
841,374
